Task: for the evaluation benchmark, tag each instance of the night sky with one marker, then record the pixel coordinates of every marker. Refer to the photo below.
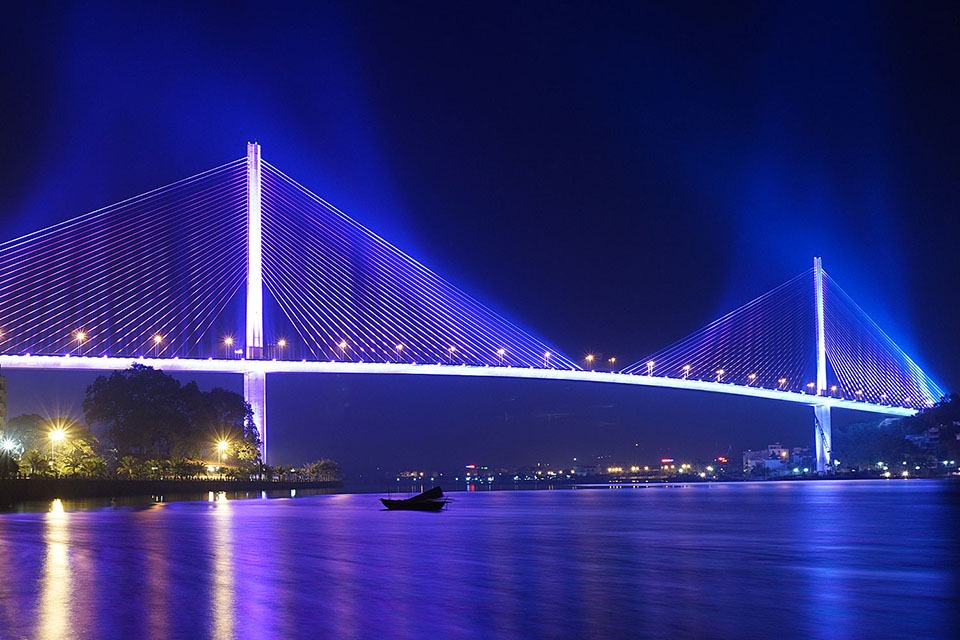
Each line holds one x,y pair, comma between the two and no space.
611,178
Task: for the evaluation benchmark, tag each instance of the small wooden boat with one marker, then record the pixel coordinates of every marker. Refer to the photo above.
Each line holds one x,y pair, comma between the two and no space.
429,500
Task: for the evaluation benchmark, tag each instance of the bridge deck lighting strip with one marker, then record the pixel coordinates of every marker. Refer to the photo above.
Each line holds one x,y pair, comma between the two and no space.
82,363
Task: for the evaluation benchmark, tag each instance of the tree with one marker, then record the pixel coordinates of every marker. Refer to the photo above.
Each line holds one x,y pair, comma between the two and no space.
132,468
140,409
30,430
9,467
35,463
222,415
323,470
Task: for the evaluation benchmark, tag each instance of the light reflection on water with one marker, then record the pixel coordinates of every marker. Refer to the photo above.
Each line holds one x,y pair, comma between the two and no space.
221,542
56,579
804,560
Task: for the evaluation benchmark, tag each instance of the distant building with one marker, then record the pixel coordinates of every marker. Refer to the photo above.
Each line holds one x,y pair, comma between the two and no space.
777,459
929,440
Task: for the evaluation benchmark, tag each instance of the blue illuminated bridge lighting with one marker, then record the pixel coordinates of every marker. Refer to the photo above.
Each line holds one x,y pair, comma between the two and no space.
241,269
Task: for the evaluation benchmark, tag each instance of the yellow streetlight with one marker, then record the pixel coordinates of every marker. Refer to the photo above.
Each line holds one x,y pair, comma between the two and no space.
57,434
501,352
222,446
650,364
686,371
589,360
612,361
80,336
720,373
752,378
546,359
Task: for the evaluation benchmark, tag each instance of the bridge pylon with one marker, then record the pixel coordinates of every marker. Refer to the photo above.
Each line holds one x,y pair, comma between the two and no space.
821,414
255,383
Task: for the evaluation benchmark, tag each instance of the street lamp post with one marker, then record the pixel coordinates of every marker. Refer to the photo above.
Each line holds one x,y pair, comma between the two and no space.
56,435
222,446
81,337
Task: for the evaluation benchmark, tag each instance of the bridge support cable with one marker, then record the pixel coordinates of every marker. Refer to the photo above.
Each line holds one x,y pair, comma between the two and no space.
146,276
352,296
767,343
868,364
813,341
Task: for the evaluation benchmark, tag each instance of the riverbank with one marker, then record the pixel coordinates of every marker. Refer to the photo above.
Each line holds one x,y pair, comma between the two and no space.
15,490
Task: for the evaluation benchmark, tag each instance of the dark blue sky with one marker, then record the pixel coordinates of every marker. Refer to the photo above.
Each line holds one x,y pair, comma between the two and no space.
610,178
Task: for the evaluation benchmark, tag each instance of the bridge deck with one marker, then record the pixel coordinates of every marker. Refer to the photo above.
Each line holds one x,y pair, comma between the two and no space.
82,363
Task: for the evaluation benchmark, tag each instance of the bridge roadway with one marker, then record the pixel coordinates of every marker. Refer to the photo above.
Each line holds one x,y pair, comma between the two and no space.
260,368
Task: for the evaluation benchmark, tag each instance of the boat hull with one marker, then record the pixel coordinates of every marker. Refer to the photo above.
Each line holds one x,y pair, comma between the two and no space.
413,505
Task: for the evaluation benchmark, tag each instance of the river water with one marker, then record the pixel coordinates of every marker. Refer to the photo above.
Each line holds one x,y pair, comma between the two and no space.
855,559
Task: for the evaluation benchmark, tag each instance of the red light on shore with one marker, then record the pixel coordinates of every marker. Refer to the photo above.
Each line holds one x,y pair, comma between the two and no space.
721,459
666,460
471,466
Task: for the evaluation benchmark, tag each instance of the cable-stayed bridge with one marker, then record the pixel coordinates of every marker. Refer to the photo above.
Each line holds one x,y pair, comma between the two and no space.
241,269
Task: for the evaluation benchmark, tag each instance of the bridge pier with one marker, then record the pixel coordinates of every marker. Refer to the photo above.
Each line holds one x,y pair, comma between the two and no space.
823,436
255,393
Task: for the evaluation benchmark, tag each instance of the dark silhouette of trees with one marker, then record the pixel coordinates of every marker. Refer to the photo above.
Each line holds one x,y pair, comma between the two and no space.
146,414
141,411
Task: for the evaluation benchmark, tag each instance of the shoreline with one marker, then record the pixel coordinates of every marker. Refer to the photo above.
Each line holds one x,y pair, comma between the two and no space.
18,490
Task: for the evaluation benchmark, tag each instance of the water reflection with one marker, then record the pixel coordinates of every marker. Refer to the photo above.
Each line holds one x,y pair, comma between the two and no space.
224,615
158,580
56,581
809,560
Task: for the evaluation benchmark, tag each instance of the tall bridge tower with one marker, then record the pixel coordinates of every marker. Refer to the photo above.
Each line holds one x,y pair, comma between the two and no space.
821,413
255,381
